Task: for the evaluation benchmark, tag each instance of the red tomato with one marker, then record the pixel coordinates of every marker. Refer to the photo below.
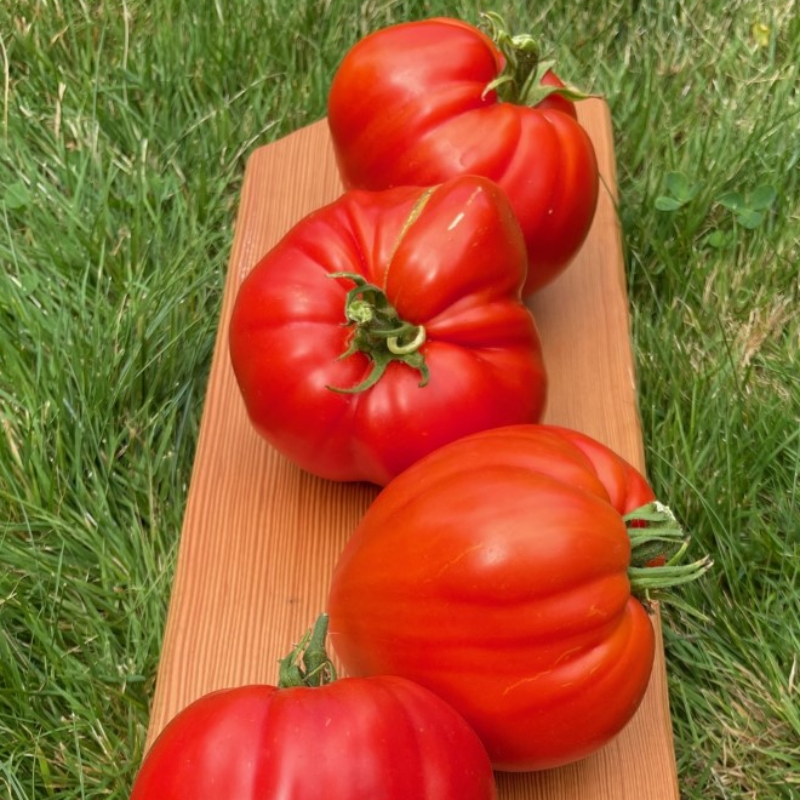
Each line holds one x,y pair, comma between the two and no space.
495,573
409,105
443,270
381,738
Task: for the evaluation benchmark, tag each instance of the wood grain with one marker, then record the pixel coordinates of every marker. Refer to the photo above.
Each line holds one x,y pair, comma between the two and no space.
260,537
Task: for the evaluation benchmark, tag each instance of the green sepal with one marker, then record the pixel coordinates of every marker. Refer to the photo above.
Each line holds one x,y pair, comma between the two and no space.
379,333
655,533
521,80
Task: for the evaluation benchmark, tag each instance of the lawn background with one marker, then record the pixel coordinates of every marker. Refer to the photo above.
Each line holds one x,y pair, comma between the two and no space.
124,129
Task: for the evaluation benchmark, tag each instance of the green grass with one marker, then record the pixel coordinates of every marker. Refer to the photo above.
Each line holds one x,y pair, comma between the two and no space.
124,128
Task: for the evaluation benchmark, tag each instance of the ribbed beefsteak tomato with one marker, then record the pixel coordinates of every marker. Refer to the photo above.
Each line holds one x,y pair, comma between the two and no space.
497,573
386,324
380,738
421,102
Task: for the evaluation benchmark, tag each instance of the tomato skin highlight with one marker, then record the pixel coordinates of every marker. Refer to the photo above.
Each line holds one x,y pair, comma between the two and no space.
450,259
382,738
494,572
408,106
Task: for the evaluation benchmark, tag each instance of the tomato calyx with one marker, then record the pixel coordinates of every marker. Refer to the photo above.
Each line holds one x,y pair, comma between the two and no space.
379,332
308,663
520,81
658,545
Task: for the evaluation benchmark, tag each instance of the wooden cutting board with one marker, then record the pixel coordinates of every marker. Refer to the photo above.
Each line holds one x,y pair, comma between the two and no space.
260,537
